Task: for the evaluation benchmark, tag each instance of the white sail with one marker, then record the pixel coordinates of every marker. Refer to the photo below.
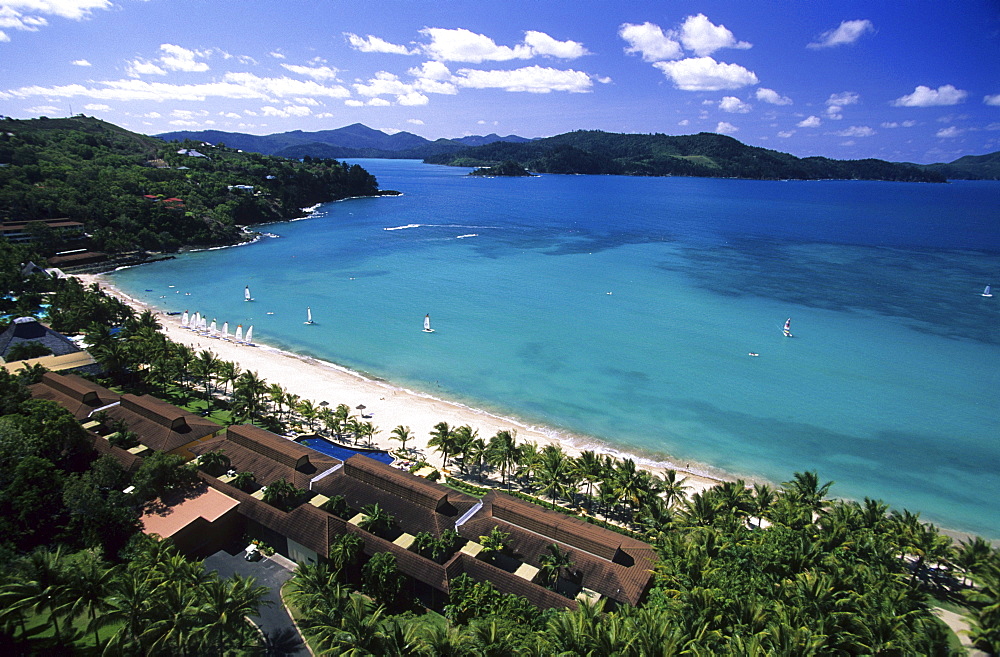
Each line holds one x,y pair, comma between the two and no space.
204,325
249,339
196,322
213,329
225,330
309,315
988,292
239,333
184,319
427,324
246,294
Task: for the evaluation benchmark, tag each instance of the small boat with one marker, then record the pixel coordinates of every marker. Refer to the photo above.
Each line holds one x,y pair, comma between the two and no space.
225,331
988,293
753,353
184,319
309,315
246,294
249,338
787,331
213,329
427,324
239,334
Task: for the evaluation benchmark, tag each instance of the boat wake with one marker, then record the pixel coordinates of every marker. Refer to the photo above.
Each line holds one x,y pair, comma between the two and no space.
462,237
404,227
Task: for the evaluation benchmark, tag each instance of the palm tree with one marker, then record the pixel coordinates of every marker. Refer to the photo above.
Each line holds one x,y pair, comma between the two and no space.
126,610
376,519
554,469
442,440
763,499
345,549
87,588
248,395
589,467
402,434
203,368
529,459
462,439
43,588
673,489
503,453
280,493
446,640
214,462
224,612
553,565
805,489
628,484
243,480
368,430
494,543
308,411
227,373
277,396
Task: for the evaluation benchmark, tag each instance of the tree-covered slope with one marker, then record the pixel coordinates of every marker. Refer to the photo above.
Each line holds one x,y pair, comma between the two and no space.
138,192
970,167
704,154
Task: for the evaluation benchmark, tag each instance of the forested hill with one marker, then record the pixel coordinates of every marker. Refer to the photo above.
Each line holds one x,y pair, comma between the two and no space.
704,154
970,167
135,192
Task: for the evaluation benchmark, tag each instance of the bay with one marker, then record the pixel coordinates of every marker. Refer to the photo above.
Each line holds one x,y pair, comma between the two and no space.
620,312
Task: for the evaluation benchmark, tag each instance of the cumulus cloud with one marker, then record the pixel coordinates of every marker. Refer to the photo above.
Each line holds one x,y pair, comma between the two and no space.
899,124
734,105
138,67
701,36
25,15
949,132
683,122
706,74
413,98
856,131
772,96
810,122
846,33
80,62
286,112
415,121
785,134
926,97
96,107
531,79
462,45
843,98
726,128
992,100
176,58
374,44
319,73
431,71
650,41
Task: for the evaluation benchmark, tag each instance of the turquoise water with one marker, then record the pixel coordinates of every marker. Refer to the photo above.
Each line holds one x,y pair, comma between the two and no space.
342,452
621,311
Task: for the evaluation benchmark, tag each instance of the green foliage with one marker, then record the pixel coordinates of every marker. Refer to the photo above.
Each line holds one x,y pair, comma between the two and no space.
26,350
161,473
470,600
380,577
704,154
507,168
118,183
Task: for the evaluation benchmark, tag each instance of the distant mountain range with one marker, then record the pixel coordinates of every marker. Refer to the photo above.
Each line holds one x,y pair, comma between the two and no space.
595,152
356,140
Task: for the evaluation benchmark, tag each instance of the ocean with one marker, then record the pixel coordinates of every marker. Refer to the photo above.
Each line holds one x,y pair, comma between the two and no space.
620,312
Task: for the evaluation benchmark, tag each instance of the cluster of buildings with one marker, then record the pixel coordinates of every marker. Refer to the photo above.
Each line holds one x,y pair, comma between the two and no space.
603,564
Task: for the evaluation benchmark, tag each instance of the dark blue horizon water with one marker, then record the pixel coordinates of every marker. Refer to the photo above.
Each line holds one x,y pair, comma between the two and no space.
619,312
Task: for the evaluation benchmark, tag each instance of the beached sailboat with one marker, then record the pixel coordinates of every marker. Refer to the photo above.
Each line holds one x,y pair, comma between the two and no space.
427,324
185,319
988,292
225,330
246,294
213,329
309,315
195,321
787,331
249,338
239,334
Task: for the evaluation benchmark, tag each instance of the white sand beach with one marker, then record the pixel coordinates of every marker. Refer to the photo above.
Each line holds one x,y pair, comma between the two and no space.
386,405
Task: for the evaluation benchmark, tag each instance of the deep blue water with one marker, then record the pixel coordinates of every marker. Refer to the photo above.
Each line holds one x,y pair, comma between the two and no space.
621,311
343,453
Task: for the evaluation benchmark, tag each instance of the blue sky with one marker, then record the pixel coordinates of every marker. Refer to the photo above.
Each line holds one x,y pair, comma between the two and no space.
911,80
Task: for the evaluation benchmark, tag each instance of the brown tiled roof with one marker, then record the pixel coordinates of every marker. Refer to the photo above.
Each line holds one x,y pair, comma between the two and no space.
413,489
286,452
510,583
129,461
614,565
409,563
159,425
256,458
77,395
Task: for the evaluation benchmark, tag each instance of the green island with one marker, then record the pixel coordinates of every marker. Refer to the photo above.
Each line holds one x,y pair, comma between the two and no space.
507,168
705,154
733,570
137,193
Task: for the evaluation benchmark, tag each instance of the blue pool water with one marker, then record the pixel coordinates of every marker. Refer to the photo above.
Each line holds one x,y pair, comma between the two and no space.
343,453
619,312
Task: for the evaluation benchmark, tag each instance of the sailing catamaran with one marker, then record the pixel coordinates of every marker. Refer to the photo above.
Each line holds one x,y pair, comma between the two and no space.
225,331
988,293
185,319
249,339
309,315
213,329
246,294
239,334
787,331
427,324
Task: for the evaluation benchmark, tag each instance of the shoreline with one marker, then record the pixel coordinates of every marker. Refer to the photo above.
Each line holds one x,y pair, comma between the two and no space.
387,404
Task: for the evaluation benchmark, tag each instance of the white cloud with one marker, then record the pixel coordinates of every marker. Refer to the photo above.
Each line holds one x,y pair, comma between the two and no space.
949,132
176,58
23,15
772,96
846,33
926,97
706,74
319,73
683,122
431,71
276,54
701,36
42,109
183,123
899,124
843,98
649,41
286,112
810,122
384,83
726,128
351,102
785,134
734,105
80,62
856,131
187,114
532,79
415,121
139,67
992,100
96,107
413,98
230,115
307,101
378,102
374,44
542,44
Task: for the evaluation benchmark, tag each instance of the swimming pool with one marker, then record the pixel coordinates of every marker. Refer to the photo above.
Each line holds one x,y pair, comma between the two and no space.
343,453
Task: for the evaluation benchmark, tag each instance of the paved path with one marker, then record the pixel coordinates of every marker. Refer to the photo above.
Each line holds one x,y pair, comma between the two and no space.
959,625
273,620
